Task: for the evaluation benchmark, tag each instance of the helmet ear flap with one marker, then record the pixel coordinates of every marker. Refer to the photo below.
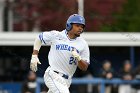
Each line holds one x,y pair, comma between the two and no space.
68,26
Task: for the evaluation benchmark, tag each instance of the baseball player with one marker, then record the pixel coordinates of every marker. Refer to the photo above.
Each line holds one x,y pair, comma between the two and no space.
68,51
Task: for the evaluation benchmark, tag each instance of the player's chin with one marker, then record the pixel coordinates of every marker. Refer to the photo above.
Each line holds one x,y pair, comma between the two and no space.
77,35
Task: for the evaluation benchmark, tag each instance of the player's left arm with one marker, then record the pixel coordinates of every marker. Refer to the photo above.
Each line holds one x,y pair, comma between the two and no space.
82,58
83,65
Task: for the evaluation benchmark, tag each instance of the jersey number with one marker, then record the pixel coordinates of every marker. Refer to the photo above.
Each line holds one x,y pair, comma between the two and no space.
72,60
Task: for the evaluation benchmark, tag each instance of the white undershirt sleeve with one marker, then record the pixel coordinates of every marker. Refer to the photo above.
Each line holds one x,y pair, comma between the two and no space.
37,44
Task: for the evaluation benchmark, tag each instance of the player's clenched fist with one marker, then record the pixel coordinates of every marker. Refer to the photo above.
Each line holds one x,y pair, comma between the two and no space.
76,55
34,62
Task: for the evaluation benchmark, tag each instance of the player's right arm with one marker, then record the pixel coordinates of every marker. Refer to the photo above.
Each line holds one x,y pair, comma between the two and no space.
43,38
34,58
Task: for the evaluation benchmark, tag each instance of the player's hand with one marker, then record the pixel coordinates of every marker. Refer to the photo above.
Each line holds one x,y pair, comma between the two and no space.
76,55
34,62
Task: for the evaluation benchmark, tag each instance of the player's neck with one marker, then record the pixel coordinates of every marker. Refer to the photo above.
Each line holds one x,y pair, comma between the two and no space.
71,35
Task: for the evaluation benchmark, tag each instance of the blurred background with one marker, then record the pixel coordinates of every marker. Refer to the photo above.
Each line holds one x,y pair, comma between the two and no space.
112,32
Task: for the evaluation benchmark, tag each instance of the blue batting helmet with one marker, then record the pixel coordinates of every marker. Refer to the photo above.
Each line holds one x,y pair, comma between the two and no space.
75,18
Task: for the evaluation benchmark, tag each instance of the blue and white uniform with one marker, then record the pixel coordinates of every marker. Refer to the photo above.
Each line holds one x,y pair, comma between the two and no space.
61,59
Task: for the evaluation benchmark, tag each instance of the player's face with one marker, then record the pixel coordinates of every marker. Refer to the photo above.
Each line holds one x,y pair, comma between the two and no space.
77,29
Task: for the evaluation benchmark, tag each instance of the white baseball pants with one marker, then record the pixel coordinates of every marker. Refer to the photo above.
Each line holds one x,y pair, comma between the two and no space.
55,82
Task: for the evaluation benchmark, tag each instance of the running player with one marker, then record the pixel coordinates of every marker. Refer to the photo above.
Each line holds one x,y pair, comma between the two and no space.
68,51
